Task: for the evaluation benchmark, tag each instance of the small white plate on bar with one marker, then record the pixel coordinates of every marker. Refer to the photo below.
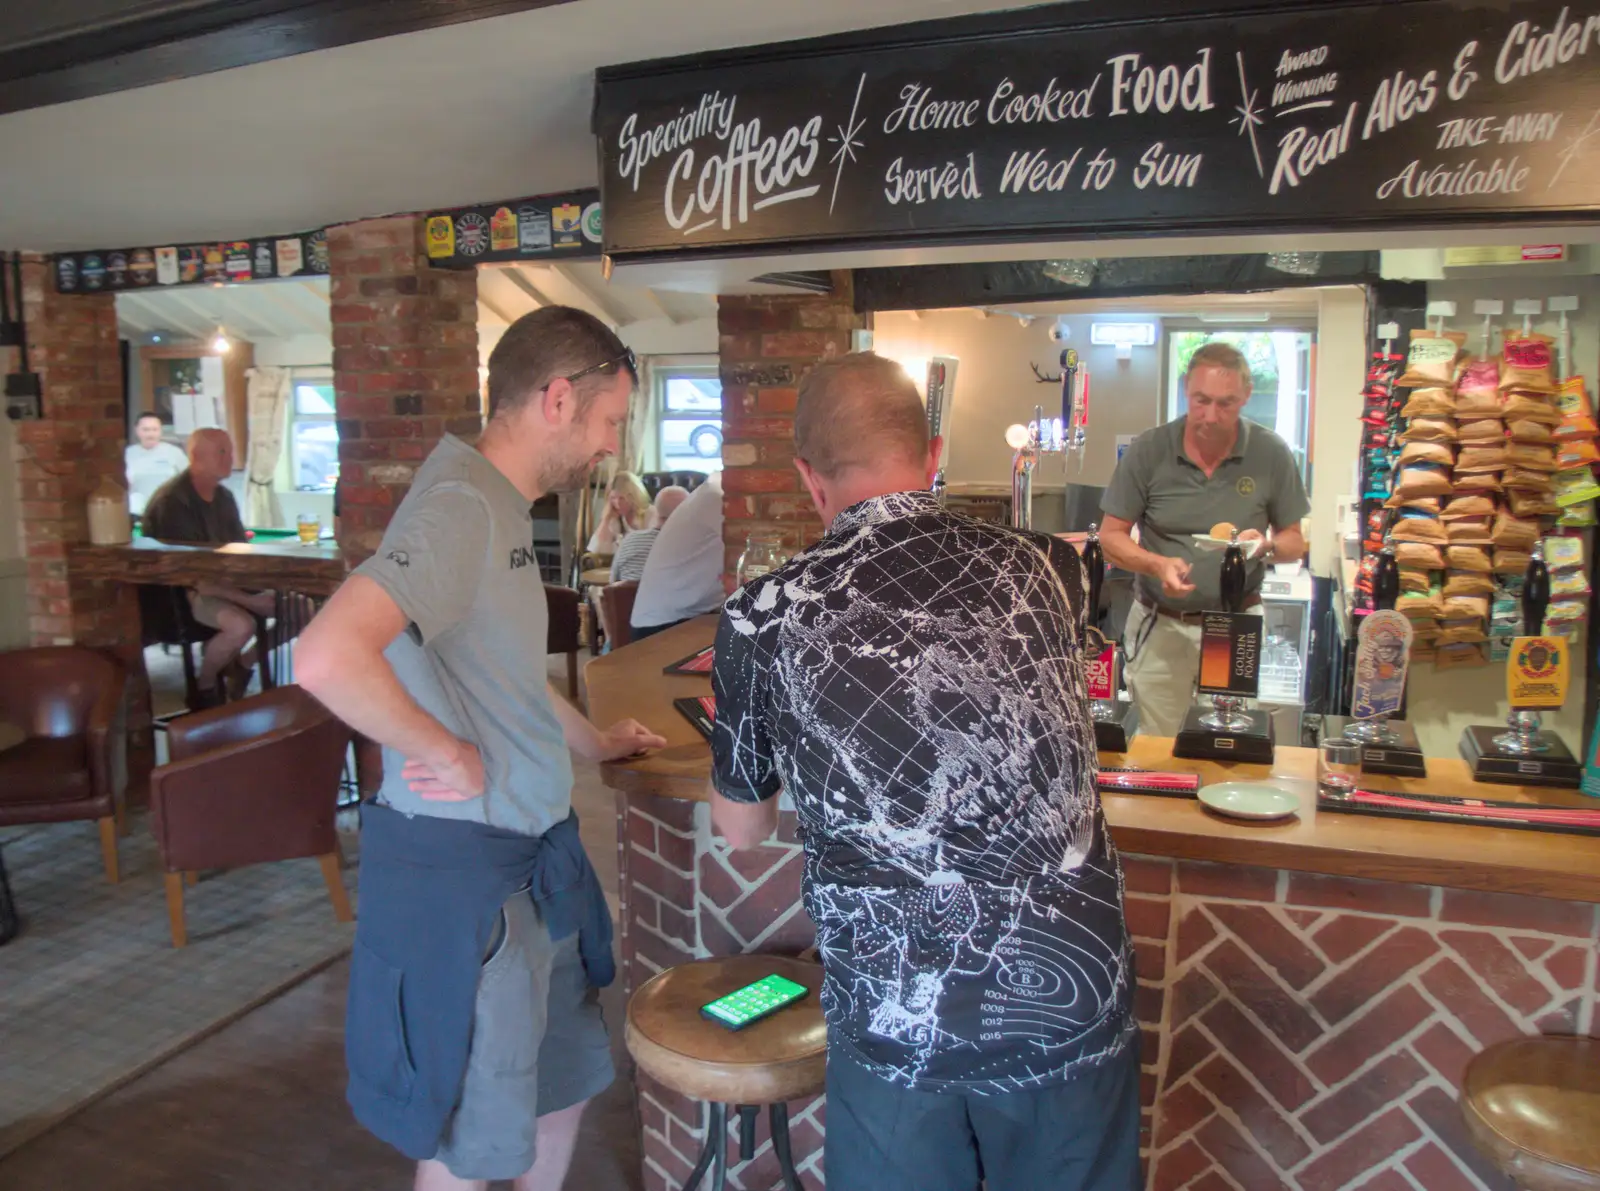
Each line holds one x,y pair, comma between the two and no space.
1250,800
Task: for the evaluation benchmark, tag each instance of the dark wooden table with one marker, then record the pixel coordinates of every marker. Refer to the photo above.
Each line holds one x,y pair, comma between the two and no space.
10,736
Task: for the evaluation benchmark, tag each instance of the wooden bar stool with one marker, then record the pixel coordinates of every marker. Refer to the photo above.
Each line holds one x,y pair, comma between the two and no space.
1532,1106
778,1059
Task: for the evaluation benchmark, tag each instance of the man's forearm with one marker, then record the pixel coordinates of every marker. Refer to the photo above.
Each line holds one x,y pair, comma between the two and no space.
1288,545
582,737
1122,551
364,692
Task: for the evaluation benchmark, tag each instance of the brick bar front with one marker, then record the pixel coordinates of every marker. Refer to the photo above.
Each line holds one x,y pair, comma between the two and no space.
1300,1031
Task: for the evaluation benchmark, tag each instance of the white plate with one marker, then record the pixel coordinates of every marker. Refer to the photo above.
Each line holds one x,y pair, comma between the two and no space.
1206,542
1249,800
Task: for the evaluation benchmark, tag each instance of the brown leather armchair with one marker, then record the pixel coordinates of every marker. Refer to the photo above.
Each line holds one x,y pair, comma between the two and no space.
72,764
564,631
250,782
616,611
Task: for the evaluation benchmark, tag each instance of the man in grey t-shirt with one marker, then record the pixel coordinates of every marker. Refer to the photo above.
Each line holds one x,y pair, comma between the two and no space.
1185,478
435,648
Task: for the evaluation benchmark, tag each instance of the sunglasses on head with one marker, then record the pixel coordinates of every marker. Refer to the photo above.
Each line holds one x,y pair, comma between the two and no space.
626,360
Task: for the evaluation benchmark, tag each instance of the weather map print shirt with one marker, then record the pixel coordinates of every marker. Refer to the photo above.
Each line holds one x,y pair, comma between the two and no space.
915,681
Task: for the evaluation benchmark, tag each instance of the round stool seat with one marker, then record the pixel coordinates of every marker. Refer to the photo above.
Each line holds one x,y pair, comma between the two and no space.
782,1057
1533,1106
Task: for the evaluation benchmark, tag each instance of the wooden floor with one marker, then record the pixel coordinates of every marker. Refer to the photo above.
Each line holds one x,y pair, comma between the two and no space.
259,1106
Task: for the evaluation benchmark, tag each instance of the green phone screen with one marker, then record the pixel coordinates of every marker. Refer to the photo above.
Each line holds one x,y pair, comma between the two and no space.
754,1001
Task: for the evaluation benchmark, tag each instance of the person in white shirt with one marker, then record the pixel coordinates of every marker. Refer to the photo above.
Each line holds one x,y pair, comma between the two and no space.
150,462
683,575
634,550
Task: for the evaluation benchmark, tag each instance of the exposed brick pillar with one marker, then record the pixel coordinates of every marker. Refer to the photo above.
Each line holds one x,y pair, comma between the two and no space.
767,347
61,458
405,366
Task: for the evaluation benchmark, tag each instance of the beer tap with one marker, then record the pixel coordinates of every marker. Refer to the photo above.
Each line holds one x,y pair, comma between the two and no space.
1385,595
1074,409
941,382
1094,565
1230,712
1524,736
1028,443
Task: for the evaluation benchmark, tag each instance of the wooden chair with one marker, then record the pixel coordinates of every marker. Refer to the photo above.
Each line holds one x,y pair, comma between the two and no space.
780,1058
251,782
1532,1107
616,610
565,625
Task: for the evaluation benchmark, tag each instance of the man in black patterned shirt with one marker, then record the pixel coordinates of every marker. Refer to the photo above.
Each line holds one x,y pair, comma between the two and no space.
914,681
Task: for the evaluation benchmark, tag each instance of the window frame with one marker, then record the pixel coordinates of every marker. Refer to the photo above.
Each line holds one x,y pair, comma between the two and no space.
309,376
664,371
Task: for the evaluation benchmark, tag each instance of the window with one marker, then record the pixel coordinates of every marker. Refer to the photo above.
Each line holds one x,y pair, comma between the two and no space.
313,434
1280,370
690,405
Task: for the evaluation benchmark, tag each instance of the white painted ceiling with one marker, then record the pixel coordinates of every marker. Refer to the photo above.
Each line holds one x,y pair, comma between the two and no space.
469,113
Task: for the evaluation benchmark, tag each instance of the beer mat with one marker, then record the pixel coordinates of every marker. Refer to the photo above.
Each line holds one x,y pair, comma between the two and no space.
695,663
1524,816
701,712
1122,779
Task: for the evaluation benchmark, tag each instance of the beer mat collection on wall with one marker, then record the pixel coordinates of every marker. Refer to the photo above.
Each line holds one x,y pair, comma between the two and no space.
547,227
298,254
695,663
1486,811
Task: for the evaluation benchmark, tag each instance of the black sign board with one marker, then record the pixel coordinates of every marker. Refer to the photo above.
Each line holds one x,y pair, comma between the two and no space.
1334,117
551,226
299,254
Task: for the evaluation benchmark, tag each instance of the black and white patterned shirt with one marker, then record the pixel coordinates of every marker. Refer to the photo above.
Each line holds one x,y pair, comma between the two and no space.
915,681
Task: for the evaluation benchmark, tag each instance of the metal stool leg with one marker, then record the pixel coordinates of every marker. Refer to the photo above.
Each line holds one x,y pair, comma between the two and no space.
747,1130
779,1116
712,1150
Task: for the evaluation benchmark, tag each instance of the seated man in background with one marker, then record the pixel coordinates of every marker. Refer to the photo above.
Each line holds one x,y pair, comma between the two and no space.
683,576
149,462
628,563
195,508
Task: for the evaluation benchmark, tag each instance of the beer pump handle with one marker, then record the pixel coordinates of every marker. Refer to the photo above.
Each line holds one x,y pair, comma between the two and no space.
1094,566
1386,579
1233,578
1535,593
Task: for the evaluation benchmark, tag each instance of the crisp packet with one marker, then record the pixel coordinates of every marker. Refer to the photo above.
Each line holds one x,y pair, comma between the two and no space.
1568,584
1578,516
1563,553
1574,486
1566,611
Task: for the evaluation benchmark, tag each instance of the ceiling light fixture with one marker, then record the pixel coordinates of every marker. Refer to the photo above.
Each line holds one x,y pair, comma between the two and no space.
220,344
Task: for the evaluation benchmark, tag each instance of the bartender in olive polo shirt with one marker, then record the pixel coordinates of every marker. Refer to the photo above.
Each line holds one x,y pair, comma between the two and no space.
1186,477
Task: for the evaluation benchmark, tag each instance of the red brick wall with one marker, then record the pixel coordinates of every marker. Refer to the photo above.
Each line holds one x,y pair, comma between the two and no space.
405,366
767,346
1299,1032
62,458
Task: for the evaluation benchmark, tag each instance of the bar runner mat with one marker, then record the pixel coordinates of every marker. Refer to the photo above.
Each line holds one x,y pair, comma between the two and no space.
700,711
1443,808
1128,779
695,663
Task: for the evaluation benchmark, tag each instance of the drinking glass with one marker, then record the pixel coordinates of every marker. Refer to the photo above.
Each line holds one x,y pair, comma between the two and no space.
1339,765
309,528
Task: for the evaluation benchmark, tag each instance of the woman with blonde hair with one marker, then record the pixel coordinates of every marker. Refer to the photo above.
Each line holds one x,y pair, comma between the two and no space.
627,508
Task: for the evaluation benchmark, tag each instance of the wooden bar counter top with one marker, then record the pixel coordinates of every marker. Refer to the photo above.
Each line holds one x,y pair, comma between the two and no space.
630,683
311,570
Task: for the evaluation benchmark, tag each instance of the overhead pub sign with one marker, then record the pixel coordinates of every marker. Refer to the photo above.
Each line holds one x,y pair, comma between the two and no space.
1047,124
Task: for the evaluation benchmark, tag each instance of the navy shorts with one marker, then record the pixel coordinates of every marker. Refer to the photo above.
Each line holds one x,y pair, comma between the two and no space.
1082,1135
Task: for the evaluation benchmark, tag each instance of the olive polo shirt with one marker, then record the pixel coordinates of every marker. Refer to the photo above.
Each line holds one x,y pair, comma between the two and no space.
1165,493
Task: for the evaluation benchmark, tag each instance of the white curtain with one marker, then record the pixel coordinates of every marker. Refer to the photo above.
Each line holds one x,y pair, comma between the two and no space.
268,403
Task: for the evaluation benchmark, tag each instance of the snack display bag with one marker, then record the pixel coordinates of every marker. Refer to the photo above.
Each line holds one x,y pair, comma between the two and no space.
1467,583
1578,516
1427,452
1535,457
1575,452
1425,605
1511,562
1533,481
1526,363
1466,607
1472,505
1477,430
1429,403
1418,527
1425,504
1577,416
1423,479
1460,632
1482,457
1455,657
1429,429
1480,403
1568,584
1467,531
1419,556
1563,553
1530,406
1531,504
1432,358
1467,482
1514,532
1574,486
1469,558
1530,431
1566,612
1415,581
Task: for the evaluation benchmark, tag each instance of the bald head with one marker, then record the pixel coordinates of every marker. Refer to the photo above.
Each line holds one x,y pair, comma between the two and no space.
667,500
210,455
859,412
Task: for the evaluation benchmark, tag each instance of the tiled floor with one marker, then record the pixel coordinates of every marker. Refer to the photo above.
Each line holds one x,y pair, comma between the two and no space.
259,1106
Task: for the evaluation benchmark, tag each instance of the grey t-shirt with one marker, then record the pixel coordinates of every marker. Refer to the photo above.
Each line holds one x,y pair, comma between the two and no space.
1162,491
458,559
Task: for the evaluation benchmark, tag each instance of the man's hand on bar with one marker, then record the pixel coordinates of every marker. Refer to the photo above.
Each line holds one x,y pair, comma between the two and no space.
626,738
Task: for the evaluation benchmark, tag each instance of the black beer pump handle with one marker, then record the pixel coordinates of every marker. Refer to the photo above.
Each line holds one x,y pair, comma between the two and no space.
1535,594
1386,580
1094,566
1233,579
